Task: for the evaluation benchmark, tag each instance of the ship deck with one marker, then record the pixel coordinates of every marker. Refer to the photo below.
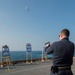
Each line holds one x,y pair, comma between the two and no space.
35,68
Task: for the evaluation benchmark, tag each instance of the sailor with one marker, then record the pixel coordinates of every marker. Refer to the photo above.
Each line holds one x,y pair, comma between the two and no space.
63,51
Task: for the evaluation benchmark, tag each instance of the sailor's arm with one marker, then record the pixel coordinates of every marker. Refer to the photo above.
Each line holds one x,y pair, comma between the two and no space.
50,49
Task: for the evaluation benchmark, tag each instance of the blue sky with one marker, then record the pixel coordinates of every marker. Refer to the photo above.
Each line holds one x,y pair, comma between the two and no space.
42,23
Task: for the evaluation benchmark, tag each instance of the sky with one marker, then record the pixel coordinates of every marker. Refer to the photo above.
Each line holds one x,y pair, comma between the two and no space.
42,23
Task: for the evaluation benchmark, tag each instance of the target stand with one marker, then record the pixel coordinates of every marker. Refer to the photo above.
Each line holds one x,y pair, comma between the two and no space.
44,56
5,57
28,53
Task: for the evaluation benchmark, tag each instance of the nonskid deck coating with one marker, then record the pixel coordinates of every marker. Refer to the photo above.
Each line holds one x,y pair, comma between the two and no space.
35,68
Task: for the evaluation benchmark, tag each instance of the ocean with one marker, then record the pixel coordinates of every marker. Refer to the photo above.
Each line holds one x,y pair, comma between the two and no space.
21,55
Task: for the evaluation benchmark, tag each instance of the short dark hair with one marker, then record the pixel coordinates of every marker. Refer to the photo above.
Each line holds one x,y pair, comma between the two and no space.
66,32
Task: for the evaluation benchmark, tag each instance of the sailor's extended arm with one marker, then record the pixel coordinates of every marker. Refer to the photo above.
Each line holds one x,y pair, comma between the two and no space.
50,49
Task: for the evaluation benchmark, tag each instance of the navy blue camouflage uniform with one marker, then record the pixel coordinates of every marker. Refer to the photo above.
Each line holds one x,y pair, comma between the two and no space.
63,51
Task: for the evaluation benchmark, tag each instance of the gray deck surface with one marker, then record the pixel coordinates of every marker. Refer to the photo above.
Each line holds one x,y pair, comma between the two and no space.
37,68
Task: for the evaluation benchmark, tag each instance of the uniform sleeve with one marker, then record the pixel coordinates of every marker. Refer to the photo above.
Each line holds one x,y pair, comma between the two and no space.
50,49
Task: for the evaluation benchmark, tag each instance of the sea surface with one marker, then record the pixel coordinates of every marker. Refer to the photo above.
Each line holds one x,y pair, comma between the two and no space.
21,55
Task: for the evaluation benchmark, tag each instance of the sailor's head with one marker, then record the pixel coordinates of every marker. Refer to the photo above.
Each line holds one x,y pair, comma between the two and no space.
64,34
